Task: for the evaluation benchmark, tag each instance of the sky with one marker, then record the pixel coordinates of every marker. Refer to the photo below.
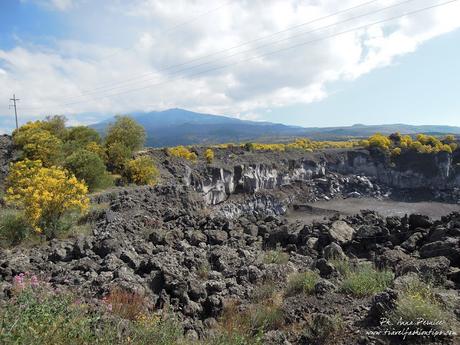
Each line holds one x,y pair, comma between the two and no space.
300,62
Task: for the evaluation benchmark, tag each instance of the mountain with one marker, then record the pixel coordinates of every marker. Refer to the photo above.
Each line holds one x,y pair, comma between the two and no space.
182,127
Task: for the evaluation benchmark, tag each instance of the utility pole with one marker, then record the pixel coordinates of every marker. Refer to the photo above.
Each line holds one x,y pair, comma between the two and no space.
14,99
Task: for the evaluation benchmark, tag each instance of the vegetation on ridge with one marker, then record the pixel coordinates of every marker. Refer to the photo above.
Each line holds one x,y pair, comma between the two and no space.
58,166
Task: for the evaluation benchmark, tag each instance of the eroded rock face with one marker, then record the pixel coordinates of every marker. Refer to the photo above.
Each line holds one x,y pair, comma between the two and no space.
436,174
410,171
216,183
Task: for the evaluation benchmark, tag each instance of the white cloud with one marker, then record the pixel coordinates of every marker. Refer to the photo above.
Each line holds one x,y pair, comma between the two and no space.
165,32
59,5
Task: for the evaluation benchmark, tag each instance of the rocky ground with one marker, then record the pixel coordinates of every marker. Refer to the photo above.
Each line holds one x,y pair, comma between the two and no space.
201,256
159,241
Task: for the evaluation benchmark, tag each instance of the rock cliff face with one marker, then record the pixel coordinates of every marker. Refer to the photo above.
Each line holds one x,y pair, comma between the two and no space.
217,183
438,175
410,171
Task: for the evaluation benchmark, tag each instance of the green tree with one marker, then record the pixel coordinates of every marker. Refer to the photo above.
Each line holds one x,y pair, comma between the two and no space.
88,166
83,135
55,125
127,132
80,137
118,155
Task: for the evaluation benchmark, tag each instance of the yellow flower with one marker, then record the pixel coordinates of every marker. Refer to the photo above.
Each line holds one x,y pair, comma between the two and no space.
45,194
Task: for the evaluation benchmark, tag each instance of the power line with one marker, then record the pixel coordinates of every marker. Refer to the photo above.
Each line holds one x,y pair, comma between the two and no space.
275,51
173,28
242,43
14,99
257,47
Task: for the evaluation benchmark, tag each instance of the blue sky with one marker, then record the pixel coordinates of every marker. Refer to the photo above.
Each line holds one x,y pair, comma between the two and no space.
89,60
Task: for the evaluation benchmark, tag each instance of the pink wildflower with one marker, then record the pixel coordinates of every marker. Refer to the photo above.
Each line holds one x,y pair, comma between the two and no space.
34,281
19,281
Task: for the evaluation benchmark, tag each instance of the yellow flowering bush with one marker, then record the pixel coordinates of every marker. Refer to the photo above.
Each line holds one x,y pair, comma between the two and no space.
182,152
97,149
45,194
209,155
38,143
397,143
380,141
141,170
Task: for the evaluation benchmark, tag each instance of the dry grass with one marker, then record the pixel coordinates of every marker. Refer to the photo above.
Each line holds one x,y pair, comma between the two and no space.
128,305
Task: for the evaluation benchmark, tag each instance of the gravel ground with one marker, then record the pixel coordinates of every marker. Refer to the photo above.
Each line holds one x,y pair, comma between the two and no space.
321,209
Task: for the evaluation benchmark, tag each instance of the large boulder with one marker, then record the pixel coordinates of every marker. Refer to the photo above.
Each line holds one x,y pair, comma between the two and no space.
449,247
341,232
431,270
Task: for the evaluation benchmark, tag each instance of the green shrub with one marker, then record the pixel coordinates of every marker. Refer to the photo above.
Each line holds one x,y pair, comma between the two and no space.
324,329
79,138
82,136
302,283
117,156
88,166
14,228
141,171
365,280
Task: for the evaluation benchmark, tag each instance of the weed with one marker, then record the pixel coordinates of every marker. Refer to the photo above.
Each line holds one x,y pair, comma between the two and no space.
264,292
276,256
203,270
303,282
324,329
417,307
128,305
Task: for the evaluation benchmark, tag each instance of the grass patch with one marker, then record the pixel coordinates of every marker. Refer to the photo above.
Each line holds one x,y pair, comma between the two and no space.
344,267
266,317
14,228
38,315
365,280
276,256
247,325
417,307
95,211
302,283
264,292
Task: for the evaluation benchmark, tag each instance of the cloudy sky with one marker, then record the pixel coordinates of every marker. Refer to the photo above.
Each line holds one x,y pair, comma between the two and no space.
302,62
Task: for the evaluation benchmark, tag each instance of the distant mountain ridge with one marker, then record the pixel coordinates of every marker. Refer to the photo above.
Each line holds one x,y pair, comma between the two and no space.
182,127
